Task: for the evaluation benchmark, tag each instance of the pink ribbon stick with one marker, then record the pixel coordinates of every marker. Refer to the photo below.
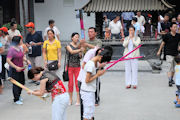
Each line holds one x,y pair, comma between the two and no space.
123,57
126,59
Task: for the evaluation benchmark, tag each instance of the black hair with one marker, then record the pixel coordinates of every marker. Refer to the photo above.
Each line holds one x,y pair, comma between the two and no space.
134,19
131,26
51,31
92,28
172,23
97,51
103,48
166,15
73,34
16,40
177,58
12,24
109,48
51,21
34,71
106,55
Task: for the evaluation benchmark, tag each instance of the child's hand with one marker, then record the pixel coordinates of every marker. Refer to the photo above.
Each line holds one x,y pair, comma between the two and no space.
100,72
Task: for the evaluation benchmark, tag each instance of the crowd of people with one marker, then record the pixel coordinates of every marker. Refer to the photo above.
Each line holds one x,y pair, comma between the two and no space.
117,28
85,74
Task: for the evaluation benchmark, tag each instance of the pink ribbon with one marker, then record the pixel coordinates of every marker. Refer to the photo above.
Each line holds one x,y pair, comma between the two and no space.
123,57
126,59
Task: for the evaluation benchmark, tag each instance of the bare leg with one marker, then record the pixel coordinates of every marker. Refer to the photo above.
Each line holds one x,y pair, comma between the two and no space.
78,99
70,100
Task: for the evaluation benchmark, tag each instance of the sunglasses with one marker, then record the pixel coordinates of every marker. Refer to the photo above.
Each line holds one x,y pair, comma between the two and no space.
29,27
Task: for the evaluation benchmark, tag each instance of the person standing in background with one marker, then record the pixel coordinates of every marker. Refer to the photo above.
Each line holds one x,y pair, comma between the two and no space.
170,42
1,83
74,55
126,18
178,23
165,25
136,25
141,21
5,40
131,66
33,42
116,28
105,24
13,30
54,28
52,50
16,59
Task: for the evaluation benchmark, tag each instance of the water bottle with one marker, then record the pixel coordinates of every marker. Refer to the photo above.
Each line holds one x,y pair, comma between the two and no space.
29,66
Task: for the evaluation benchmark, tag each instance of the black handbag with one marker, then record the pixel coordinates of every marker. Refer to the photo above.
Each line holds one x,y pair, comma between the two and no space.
65,72
53,65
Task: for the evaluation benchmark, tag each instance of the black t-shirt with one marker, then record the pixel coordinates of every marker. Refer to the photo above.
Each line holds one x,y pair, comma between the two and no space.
171,44
36,37
165,26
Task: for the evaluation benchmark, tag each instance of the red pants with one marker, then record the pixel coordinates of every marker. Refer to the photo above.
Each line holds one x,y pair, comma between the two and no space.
73,71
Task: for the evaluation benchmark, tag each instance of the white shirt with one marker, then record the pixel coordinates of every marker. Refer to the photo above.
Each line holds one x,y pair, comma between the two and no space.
88,56
159,27
115,27
141,20
130,47
13,33
91,86
4,40
55,29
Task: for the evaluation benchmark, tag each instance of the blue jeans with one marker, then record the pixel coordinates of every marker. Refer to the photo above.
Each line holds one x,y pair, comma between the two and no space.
116,36
59,106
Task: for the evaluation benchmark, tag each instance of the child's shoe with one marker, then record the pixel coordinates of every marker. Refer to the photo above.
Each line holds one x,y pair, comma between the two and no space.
170,84
19,102
177,105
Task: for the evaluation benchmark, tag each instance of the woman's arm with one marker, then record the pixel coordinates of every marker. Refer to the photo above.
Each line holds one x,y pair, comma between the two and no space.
160,48
1,50
59,57
26,60
74,51
90,78
18,69
126,42
44,53
42,88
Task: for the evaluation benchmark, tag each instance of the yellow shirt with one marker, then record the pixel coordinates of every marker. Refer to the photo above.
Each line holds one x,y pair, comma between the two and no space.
52,49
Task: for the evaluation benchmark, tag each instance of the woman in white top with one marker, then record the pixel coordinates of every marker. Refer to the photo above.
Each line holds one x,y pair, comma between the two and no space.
88,86
131,66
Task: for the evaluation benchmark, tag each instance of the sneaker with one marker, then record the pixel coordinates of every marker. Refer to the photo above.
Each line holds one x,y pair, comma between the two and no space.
20,99
19,102
46,95
172,81
177,105
170,84
175,101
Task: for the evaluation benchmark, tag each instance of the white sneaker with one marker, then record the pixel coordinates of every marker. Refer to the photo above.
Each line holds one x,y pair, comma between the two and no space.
19,102
46,95
21,99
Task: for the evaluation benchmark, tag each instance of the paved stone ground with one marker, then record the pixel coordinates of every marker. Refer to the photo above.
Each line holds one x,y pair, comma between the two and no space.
153,100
